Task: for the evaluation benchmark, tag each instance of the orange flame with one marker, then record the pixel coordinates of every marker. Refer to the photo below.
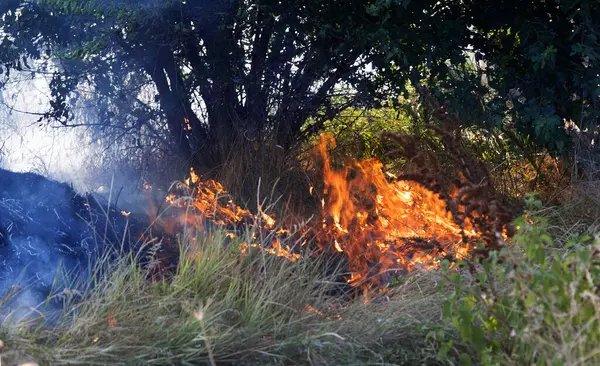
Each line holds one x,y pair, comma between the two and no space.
186,124
378,226
383,226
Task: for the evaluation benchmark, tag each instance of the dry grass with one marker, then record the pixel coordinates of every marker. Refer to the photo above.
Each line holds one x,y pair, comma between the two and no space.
223,307
226,307
263,166
577,214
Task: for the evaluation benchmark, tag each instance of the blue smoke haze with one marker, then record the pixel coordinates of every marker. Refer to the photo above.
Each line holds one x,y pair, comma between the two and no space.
46,228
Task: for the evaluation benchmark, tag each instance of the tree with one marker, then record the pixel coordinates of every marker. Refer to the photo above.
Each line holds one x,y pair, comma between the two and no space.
536,64
224,73
205,78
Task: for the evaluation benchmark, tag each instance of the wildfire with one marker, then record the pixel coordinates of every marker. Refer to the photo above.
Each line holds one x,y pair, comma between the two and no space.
378,226
277,250
381,226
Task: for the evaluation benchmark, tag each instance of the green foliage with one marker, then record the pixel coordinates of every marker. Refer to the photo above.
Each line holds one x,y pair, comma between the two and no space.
258,70
542,58
357,131
528,304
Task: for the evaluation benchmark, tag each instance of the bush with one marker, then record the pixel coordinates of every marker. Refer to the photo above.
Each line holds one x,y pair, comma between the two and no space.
357,131
529,305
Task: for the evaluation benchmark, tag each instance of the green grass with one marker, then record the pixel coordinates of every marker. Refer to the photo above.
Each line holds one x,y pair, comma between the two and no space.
227,308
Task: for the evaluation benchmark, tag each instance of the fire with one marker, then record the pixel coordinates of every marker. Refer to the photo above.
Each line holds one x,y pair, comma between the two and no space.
311,309
383,227
276,249
379,226
193,179
197,202
269,221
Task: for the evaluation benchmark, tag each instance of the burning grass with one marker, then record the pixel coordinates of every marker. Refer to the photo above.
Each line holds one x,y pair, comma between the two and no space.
251,288
384,227
248,290
229,308
377,226
231,301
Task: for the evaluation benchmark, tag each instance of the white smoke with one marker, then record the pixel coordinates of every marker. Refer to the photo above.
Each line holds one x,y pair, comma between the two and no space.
27,145
63,154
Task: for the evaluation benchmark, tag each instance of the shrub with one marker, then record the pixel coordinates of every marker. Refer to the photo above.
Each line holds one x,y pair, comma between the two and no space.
357,131
530,305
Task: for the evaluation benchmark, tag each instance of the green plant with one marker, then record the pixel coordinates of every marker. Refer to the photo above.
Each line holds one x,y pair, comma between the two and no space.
527,304
357,131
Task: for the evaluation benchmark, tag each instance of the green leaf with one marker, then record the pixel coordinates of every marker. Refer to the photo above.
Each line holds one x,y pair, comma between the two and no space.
478,337
447,309
466,360
445,265
443,353
529,300
465,330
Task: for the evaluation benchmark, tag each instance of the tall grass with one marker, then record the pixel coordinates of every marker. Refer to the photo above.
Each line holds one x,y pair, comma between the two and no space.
225,307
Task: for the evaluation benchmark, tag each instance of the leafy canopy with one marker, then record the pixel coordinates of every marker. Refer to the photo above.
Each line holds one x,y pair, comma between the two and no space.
200,78
205,75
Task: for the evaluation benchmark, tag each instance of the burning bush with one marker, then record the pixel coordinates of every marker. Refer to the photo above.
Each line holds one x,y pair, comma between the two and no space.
462,181
383,227
378,223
